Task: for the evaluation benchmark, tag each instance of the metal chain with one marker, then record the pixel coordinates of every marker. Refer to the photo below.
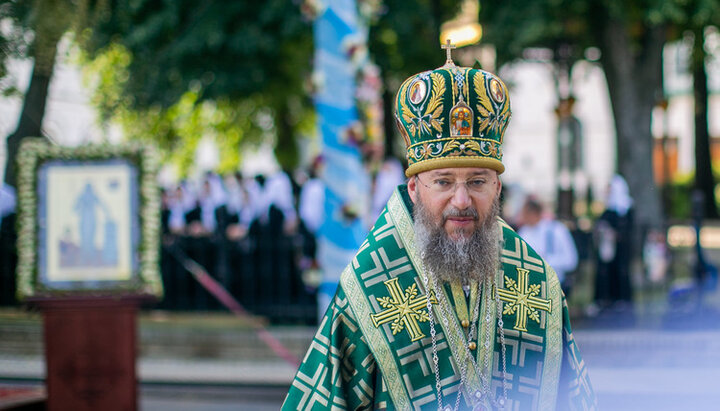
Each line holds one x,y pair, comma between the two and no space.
485,382
503,400
431,320
463,368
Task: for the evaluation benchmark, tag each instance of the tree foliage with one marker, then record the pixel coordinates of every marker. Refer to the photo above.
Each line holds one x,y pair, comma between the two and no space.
630,36
231,49
12,45
178,129
238,68
405,39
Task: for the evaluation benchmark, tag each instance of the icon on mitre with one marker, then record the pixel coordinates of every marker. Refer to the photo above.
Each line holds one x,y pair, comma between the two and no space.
461,120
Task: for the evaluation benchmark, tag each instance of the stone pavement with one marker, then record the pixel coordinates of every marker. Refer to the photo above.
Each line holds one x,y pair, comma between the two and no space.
630,368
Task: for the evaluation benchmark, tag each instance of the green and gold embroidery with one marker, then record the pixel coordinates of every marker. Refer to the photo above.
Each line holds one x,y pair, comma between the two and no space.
489,121
431,118
391,250
484,107
403,309
454,147
522,300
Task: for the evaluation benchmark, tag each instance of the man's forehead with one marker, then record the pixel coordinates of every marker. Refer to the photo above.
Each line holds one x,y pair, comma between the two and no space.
461,172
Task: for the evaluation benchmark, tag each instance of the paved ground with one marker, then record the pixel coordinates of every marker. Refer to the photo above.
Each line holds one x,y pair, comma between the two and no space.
635,367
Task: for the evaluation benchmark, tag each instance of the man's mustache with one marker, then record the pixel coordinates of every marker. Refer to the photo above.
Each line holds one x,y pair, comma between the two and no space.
455,212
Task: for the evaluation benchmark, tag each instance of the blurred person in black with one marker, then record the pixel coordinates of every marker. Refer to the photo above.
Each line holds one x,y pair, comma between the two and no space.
204,240
8,254
613,242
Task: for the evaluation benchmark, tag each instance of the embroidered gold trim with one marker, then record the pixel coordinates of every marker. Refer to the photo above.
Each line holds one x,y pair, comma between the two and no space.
375,338
435,163
553,343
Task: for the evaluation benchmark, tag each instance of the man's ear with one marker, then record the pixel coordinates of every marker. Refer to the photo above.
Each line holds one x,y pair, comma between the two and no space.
412,188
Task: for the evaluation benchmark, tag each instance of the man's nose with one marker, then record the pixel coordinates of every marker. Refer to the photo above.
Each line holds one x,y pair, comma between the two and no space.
461,197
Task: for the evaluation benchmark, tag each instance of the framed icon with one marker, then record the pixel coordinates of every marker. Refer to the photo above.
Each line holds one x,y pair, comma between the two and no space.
88,220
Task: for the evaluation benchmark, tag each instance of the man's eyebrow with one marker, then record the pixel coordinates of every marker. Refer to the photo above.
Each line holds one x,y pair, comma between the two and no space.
478,173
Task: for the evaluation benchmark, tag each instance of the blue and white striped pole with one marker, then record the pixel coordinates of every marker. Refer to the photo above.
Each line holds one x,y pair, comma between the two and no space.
338,28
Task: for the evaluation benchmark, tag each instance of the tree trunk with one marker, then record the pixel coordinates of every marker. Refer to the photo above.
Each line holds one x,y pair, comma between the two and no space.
31,116
286,149
52,19
389,119
633,68
704,180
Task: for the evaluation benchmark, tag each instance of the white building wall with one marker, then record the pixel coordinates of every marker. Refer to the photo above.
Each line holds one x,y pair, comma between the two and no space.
530,144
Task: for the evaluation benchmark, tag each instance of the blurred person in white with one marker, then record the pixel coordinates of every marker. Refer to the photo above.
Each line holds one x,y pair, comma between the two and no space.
550,238
212,196
311,208
312,198
274,192
237,196
390,175
179,204
240,208
255,201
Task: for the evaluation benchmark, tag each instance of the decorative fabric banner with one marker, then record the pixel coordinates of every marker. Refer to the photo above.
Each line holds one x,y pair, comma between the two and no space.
340,38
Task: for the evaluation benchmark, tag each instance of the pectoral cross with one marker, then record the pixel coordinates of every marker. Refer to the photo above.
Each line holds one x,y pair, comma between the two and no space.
448,49
522,300
403,309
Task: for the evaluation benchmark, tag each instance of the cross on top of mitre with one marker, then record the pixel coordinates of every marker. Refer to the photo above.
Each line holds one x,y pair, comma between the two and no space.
448,46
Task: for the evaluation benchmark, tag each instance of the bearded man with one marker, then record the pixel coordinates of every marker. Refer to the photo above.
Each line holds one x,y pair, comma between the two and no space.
445,306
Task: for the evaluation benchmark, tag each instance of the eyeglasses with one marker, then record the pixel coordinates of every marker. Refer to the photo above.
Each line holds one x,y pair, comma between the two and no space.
446,185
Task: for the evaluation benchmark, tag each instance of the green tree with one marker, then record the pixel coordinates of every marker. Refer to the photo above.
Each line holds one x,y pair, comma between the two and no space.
230,53
698,16
177,129
630,36
11,44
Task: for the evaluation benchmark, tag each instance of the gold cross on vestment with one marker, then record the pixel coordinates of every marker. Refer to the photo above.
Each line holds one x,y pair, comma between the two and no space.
522,300
403,309
448,49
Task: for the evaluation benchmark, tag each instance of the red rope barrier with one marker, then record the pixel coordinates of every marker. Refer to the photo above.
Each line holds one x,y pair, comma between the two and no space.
218,291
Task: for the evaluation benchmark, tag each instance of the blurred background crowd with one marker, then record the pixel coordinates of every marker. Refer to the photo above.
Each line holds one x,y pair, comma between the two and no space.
256,236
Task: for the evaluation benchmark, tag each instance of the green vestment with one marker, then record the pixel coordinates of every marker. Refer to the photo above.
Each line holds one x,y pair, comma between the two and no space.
374,349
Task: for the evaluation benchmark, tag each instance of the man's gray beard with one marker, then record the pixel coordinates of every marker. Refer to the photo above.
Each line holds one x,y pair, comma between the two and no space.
470,257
